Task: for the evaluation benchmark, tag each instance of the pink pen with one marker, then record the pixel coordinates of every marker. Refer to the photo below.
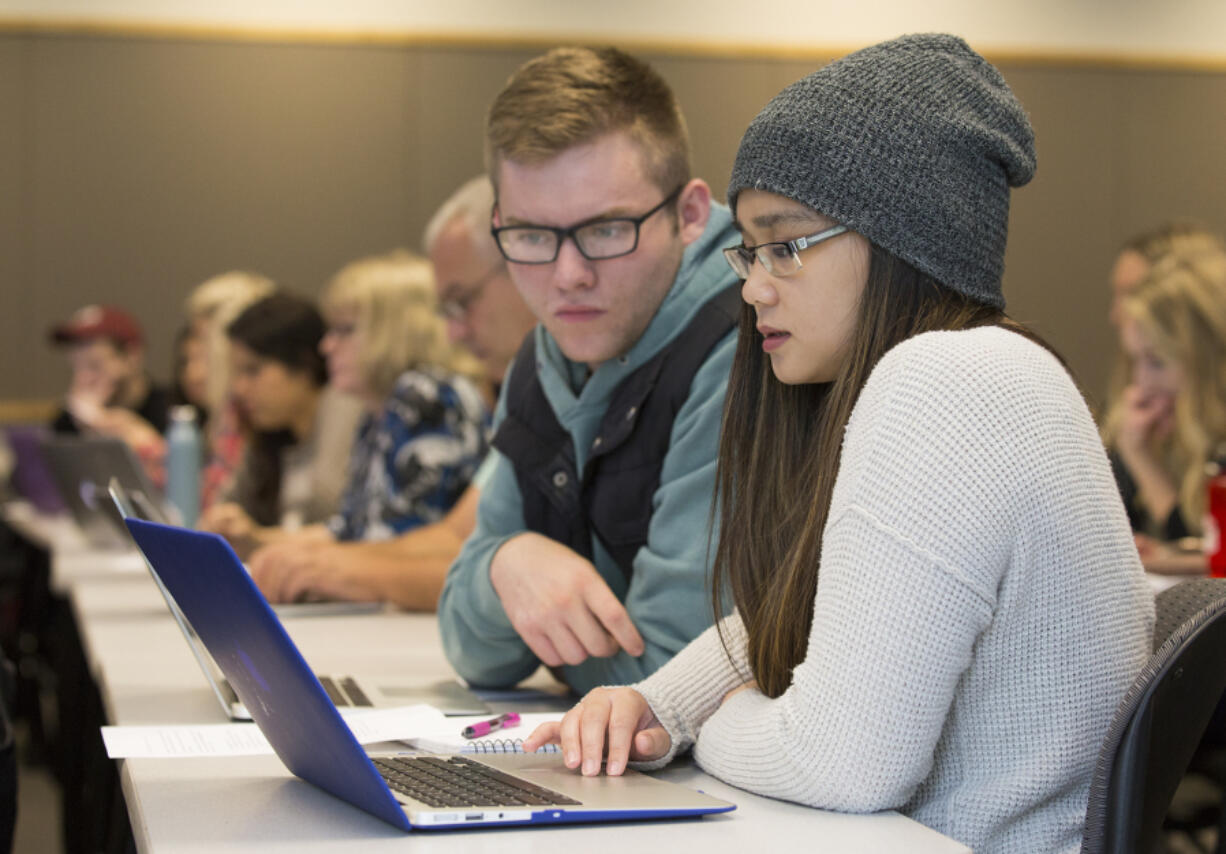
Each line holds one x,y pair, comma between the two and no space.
481,728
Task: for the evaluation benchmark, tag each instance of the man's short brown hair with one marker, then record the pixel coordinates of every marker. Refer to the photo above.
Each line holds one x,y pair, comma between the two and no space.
572,95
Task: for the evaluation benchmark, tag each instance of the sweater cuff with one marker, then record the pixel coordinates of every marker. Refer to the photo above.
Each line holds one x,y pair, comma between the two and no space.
689,689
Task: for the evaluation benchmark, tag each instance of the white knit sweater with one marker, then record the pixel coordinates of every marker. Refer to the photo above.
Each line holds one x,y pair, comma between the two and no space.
980,611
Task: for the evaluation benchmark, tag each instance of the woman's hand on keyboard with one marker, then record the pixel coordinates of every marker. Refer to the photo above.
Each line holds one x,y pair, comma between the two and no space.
619,717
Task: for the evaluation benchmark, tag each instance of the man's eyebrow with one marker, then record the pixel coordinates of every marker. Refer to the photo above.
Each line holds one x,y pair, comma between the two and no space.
611,213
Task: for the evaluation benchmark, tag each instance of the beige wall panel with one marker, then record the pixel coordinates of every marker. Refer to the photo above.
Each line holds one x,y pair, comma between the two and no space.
157,164
1173,148
720,97
452,93
1119,151
137,167
1061,233
16,337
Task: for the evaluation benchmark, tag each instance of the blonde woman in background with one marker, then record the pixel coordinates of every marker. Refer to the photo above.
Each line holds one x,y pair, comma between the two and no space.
423,432
1139,254
1170,419
212,306
1136,257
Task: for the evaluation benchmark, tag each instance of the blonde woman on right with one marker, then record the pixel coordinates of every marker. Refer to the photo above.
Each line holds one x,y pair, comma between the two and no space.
1141,251
1170,419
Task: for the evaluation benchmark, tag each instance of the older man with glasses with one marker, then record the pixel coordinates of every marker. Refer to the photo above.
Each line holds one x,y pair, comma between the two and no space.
483,310
590,553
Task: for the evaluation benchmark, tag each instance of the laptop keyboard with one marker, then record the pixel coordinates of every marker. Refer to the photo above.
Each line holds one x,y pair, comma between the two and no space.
347,693
454,781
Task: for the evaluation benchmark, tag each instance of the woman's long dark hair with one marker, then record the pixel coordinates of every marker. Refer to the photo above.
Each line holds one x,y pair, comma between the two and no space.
779,457
286,329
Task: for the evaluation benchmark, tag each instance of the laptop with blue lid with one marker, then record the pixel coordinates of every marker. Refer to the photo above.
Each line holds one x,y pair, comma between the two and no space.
349,690
291,708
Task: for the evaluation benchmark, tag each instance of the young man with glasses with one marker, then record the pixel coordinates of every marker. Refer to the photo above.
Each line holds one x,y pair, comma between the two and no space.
590,552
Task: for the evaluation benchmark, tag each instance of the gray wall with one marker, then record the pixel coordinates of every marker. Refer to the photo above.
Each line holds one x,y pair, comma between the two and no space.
131,168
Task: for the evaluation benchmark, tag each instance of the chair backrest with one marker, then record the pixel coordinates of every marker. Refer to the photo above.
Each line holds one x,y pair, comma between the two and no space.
1160,721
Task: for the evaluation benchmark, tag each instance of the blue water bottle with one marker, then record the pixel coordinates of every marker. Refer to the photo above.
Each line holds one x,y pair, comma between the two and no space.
183,464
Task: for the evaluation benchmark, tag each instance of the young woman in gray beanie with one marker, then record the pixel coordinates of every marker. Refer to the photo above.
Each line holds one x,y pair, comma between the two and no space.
938,602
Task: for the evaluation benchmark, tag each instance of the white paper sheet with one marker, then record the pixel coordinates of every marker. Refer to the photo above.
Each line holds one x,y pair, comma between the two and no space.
243,739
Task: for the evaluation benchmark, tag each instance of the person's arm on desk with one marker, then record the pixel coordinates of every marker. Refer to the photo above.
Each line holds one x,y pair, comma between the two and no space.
703,674
1183,557
513,597
407,571
478,638
851,733
245,535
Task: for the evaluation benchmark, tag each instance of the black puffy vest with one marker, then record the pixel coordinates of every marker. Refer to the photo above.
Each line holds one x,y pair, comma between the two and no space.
613,500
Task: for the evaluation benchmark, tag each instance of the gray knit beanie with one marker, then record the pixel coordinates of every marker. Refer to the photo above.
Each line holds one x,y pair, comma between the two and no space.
913,143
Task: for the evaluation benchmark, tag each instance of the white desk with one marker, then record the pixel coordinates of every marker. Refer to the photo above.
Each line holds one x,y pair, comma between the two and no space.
146,675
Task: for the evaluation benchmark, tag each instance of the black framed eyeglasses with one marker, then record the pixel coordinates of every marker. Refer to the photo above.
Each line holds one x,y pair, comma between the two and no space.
779,259
596,239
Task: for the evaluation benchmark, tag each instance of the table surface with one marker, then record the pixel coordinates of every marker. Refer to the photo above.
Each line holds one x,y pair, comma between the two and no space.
146,675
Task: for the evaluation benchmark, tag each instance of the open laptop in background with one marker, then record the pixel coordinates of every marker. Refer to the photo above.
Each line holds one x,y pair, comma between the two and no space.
32,478
82,466
291,708
448,696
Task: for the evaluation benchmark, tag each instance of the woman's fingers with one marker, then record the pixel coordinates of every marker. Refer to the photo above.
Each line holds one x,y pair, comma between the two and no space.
592,728
624,717
549,732
650,743
614,724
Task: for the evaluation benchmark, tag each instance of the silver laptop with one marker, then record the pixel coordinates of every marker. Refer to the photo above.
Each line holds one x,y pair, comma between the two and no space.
449,696
411,792
82,466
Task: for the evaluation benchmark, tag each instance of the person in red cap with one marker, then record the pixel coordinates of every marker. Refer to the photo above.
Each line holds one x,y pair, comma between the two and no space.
110,393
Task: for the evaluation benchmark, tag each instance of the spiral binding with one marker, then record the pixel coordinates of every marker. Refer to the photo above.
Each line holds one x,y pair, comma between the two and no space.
504,745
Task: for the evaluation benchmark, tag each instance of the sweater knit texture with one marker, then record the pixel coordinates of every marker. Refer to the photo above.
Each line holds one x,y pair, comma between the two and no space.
980,611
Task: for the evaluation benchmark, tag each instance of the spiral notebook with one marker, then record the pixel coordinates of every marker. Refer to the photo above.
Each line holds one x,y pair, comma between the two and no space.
445,736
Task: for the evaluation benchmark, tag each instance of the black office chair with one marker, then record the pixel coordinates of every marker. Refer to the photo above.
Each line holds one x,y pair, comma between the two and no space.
1160,721
8,755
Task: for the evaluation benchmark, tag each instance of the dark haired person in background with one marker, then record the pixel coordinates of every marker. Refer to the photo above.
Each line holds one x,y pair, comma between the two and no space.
293,470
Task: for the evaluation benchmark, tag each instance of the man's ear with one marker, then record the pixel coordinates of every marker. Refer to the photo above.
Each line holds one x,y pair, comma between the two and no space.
693,209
